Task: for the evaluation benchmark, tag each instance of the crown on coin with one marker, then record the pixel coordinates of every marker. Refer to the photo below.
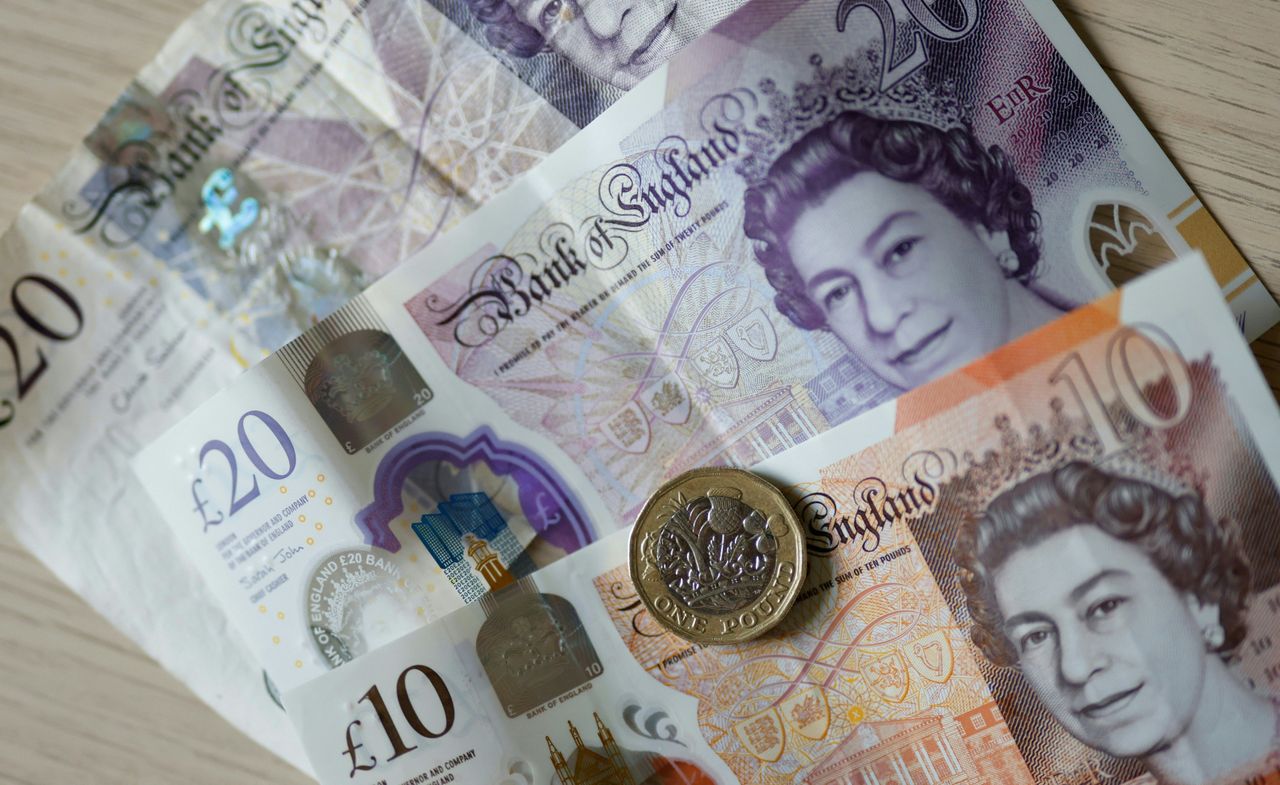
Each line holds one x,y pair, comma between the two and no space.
356,386
853,83
714,552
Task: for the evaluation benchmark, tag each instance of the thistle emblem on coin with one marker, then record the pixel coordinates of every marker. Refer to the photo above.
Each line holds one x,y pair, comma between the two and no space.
714,552
717,555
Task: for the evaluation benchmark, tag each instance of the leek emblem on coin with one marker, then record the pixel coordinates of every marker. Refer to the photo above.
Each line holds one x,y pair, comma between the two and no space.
718,556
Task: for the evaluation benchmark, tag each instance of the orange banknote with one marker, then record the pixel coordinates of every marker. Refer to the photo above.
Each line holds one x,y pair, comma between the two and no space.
1060,568
1056,565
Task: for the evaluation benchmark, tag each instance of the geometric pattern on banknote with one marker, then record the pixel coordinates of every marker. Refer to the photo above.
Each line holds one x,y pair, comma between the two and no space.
1209,454
533,647
854,640
688,367
715,552
369,177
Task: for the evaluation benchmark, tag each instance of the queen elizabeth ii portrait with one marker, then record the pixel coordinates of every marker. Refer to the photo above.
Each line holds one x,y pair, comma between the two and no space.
915,245
617,41
1121,603
582,54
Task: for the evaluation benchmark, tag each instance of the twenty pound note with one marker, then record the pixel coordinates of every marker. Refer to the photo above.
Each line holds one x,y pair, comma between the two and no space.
816,207
1055,565
274,158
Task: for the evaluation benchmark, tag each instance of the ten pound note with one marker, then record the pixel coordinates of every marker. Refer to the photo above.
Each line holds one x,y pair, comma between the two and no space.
814,208
1055,565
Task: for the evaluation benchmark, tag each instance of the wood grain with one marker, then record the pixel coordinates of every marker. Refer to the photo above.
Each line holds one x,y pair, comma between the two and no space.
83,704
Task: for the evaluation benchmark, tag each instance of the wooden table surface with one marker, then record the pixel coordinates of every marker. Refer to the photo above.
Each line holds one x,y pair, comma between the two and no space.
83,704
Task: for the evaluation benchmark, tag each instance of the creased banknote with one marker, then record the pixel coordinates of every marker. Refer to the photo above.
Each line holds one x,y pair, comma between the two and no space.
275,158
786,227
278,158
1055,565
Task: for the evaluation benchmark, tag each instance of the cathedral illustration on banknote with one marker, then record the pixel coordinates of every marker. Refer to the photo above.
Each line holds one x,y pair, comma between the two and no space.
608,764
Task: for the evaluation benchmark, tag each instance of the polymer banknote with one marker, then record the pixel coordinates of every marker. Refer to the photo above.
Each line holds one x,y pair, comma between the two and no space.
275,158
278,158
787,226
1055,565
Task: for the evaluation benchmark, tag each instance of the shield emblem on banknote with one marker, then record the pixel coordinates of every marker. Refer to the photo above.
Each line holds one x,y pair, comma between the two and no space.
763,735
930,656
754,336
808,712
888,675
717,363
668,399
628,429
